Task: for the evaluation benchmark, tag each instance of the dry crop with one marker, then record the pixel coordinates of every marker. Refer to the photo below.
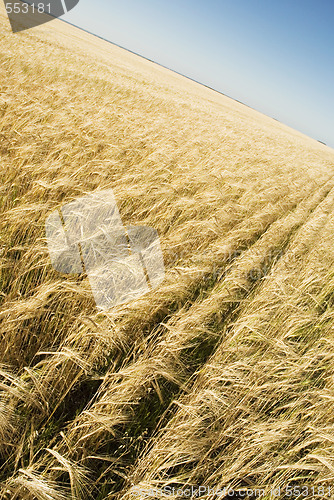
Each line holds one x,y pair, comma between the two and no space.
224,375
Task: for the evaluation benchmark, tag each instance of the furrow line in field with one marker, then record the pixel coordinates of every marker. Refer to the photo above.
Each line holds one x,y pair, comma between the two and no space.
233,425
124,393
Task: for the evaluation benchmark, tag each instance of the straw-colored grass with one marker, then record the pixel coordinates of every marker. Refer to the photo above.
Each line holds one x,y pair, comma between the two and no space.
223,376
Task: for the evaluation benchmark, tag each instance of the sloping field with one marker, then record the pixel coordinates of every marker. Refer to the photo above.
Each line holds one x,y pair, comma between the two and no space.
223,377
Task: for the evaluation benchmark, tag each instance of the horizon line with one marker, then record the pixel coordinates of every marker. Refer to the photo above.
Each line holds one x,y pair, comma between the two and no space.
189,78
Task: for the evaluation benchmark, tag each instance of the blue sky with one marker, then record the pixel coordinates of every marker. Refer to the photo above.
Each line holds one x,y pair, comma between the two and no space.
276,56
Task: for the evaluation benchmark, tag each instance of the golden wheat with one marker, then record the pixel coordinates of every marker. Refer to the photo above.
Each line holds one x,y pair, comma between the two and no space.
224,374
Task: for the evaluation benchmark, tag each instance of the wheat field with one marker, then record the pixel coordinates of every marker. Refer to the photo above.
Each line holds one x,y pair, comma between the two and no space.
222,377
